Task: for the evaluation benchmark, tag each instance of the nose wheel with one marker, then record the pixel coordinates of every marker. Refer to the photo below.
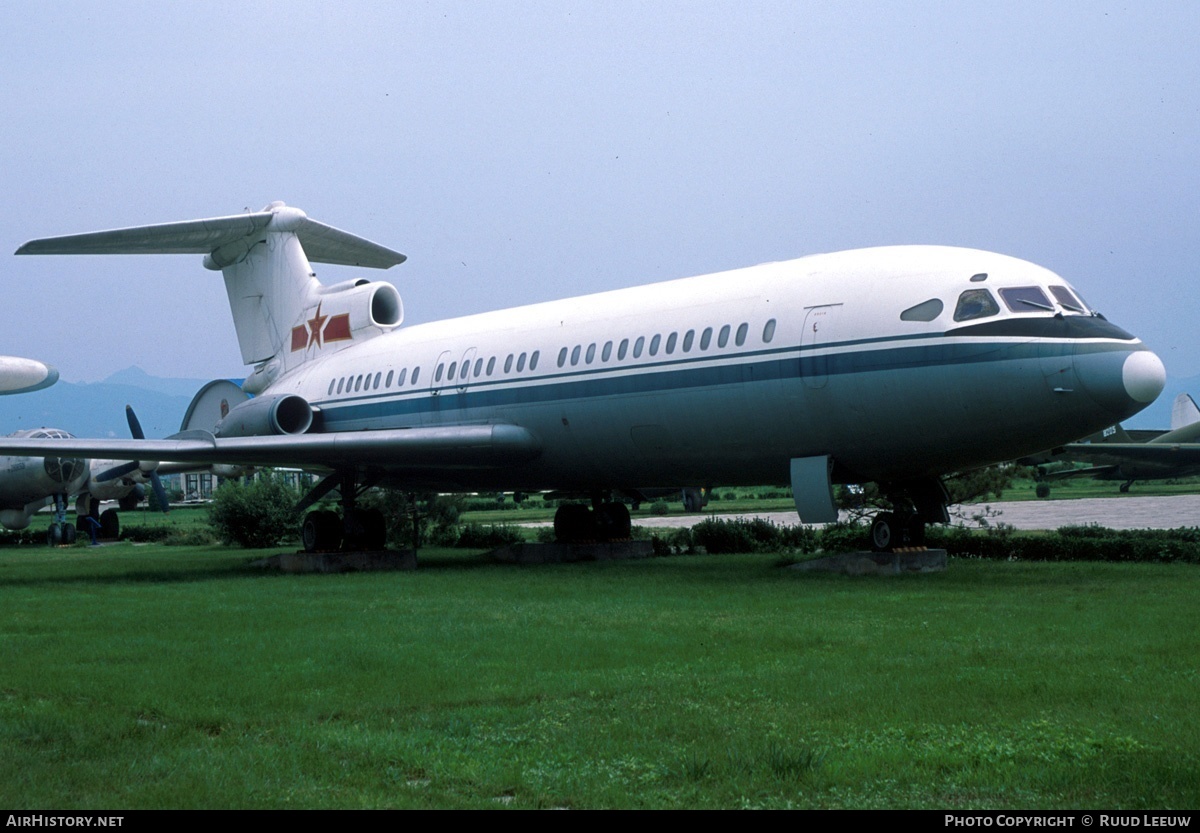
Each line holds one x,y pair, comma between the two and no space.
890,530
916,503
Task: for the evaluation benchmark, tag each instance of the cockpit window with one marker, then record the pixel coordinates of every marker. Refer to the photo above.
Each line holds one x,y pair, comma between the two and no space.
1069,301
975,303
1026,299
925,311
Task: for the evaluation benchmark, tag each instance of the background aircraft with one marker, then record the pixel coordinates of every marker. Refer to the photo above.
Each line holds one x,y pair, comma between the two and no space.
18,375
893,365
1128,456
29,484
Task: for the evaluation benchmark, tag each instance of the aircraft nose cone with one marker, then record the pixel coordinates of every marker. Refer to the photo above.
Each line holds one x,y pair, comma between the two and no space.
1121,383
1144,376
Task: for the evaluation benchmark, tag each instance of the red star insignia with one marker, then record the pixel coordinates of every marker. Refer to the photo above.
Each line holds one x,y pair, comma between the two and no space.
315,325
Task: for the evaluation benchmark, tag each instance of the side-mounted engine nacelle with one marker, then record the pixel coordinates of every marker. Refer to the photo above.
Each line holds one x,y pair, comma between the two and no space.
267,415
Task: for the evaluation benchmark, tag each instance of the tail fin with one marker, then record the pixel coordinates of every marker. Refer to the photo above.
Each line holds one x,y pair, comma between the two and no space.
276,299
1185,422
1184,412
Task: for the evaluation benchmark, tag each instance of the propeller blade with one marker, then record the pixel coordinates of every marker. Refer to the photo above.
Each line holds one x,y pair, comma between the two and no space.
117,471
135,427
160,493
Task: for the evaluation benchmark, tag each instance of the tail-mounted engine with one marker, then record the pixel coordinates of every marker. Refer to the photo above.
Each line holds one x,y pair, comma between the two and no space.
344,313
267,415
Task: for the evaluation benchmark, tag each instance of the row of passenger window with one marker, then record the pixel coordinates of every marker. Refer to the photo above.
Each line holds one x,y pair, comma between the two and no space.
369,382
588,354
366,382
461,372
465,370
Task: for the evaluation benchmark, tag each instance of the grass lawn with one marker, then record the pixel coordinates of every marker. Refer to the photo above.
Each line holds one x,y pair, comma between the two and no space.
146,676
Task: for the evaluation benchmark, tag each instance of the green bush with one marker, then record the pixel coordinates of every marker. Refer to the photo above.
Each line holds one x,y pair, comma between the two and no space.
845,537
1073,543
255,515
719,535
492,536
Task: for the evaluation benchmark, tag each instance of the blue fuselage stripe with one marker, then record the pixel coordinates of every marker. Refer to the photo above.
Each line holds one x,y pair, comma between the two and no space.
761,366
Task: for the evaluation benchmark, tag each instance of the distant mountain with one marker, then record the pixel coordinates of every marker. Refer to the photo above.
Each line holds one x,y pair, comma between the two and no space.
135,377
97,409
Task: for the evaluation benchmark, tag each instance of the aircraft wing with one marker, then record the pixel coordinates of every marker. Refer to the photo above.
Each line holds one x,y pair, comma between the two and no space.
444,447
1168,460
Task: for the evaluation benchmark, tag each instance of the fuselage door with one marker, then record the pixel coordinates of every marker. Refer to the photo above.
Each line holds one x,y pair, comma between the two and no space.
820,328
465,370
437,379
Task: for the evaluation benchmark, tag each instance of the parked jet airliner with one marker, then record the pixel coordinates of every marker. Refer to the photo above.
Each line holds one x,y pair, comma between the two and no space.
894,365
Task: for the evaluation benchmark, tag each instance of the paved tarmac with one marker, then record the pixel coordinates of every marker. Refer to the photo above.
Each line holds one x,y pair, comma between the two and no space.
1114,513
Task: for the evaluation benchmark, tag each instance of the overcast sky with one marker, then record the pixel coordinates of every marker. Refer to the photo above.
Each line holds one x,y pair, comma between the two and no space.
523,151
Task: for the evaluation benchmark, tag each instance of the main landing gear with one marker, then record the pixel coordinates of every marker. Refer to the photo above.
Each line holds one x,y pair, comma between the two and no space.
60,532
915,503
604,520
356,530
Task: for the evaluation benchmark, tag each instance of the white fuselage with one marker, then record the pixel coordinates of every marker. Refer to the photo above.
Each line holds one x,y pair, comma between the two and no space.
723,378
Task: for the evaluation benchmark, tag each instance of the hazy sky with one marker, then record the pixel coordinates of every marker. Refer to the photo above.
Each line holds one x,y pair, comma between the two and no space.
523,151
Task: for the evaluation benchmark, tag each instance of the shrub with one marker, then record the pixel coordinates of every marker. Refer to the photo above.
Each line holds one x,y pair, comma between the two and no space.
659,507
1073,543
718,535
1042,490
478,536
845,537
255,515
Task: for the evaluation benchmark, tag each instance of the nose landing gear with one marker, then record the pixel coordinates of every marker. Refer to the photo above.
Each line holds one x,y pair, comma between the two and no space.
915,503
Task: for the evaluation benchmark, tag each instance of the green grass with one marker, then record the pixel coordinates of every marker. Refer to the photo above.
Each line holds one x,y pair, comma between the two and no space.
155,677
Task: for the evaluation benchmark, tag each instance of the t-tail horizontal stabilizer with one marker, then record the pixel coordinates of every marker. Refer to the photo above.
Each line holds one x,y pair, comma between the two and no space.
274,296
226,235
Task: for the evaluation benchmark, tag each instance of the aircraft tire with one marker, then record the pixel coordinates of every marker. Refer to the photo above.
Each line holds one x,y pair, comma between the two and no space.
613,522
883,532
54,535
322,531
574,522
110,524
68,533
